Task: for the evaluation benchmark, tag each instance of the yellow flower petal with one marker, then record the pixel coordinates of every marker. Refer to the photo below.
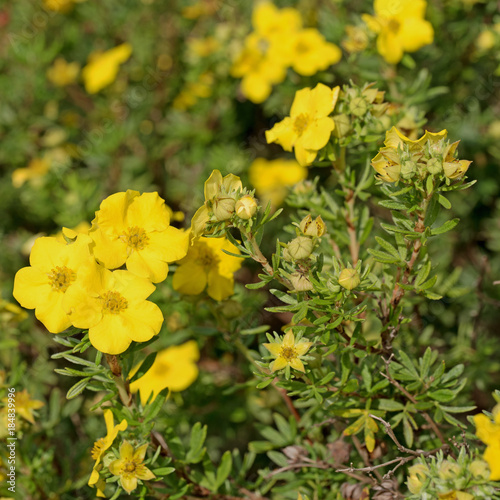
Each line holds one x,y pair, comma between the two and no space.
278,364
296,364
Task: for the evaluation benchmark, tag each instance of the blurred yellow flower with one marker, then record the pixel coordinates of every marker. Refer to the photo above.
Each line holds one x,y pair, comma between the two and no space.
135,230
102,68
288,352
25,406
308,128
206,266
400,26
174,367
63,73
272,179
10,313
312,53
129,467
103,444
113,307
62,6
357,39
36,169
55,267
193,91
489,433
203,47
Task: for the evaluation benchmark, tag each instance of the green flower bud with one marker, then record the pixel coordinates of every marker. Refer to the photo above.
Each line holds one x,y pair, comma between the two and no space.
448,470
342,126
408,169
349,278
358,107
479,469
300,282
434,166
300,248
223,208
231,309
312,228
246,207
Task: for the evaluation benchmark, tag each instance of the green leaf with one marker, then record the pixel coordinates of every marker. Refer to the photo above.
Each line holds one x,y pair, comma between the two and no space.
388,247
447,226
145,366
278,458
390,405
383,257
408,432
224,469
163,471
154,408
442,395
198,436
444,202
78,388
393,205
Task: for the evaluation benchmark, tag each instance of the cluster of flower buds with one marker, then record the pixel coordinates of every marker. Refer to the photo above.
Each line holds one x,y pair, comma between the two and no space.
465,478
357,108
309,230
406,160
225,201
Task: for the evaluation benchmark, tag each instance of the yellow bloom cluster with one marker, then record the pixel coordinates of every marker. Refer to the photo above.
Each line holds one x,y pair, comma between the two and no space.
309,126
403,158
75,283
400,26
278,42
489,433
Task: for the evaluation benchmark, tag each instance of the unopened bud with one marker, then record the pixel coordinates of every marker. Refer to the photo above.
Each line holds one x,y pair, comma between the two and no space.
300,282
349,278
223,208
246,207
342,126
231,309
479,469
408,169
416,478
434,166
448,470
358,106
312,228
300,247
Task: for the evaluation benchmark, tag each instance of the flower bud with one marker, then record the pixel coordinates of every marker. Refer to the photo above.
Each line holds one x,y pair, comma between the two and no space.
246,207
479,469
300,248
223,208
312,228
300,282
349,278
448,470
342,126
358,107
231,309
434,166
408,169
416,478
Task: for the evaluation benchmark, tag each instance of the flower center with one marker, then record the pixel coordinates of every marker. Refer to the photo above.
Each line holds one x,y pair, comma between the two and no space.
113,303
206,257
160,368
300,123
60,278
393,25
97,449
288,353
136,238
129,467
302,48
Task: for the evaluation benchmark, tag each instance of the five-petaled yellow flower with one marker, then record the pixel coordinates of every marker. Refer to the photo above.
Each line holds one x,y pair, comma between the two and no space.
54,269
174,367
130,466
103,67
489,433
288,352
135,230
400,26
113,306
206,266
308,128
25,405
63,73
103,444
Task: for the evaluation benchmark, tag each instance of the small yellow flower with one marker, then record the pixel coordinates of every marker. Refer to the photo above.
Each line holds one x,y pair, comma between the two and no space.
287,352
272,179
103,444
102,68
489,433
113,306
62,73
312,53
400,26
174,367
36,169
206,266
130,466
62,6
308,128
135,230
309,227
25,406
55,267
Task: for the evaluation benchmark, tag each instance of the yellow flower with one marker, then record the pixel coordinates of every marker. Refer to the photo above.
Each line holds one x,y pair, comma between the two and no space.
206,266
288,352
400,26
130,466
102,68
135,230
308,128
271,179
103,444
203,47
312,53
174,367
193,91
218,193
10,313
62,73
113,306
62,6
25,405
357,39
36,169
417,475
489,433
55,267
